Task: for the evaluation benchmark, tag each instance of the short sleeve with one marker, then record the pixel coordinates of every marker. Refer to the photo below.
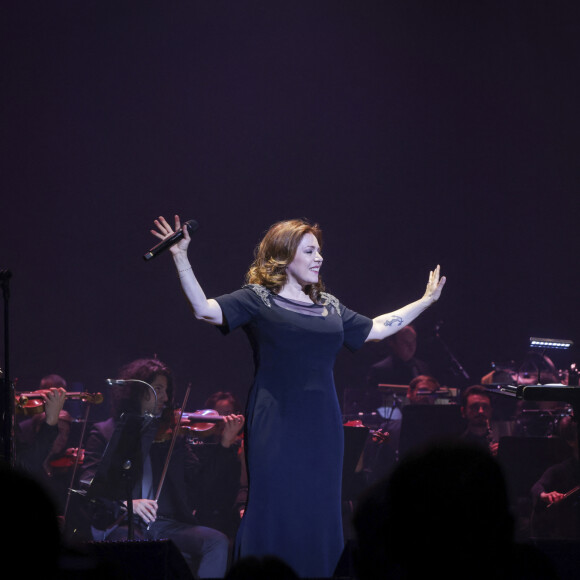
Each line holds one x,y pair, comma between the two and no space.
356,328
238,308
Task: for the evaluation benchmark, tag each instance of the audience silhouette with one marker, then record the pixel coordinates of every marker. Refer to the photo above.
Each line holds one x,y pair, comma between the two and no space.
444,511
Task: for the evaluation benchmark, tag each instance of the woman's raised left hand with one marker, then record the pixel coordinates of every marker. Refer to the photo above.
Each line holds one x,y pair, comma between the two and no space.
434,286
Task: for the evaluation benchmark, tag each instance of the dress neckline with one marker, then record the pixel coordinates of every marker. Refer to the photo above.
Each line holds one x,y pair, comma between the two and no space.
303,308
297,302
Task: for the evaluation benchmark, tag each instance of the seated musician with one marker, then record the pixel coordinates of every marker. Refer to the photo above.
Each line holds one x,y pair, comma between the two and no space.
35,435
32,426
381,454
557,489
401,366
477,411
167,511
233,486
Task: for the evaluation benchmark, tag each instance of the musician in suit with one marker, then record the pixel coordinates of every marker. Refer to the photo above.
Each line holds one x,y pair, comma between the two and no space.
167,511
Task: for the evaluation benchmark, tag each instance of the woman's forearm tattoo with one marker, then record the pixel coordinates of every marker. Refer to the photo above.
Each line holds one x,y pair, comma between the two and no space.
393,320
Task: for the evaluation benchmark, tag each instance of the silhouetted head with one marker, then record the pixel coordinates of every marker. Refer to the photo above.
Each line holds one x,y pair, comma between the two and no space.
442,510
33,539
266,568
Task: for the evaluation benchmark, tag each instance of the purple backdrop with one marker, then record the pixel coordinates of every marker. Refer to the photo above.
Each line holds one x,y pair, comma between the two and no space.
415,133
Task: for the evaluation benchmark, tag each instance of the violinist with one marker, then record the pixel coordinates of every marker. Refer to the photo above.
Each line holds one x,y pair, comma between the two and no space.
234,485
169,510
35,436
33,416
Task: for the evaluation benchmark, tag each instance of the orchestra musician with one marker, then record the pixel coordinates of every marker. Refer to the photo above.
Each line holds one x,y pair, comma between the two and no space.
476,409
556,494
381,455
35,436
233,486
31,422
401,366
167,511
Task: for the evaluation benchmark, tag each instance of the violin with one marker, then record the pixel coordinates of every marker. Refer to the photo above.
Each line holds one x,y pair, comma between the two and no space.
203,420
71,456
377,435
33,403
199,423
207,417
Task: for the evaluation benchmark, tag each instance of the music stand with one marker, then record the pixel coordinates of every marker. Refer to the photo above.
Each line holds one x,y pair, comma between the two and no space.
397,390
422,424
553,392
122,463
354,444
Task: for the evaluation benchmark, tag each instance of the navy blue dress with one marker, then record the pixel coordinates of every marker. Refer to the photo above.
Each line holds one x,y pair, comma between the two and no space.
294,433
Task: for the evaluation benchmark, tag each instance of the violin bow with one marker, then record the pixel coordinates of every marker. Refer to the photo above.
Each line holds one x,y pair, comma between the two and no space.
77,461
172,445
565,496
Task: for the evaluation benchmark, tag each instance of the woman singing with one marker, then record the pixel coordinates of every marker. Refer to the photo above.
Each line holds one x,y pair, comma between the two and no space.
293,431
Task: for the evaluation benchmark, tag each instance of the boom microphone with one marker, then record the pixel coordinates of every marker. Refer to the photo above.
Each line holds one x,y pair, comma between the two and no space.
191,226
113,382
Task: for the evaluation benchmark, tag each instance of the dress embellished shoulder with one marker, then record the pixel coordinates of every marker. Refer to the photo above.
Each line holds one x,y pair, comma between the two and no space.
265,295
261,291
330,300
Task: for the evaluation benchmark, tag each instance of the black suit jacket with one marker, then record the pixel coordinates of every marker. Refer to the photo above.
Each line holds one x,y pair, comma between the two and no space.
190,483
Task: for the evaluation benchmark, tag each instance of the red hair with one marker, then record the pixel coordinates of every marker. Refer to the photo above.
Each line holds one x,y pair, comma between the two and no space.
276,250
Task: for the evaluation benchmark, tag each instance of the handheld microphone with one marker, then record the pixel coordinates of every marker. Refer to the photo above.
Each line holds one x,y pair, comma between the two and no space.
191,225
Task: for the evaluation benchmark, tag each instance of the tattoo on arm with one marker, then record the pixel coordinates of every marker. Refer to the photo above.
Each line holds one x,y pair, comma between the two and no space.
393,320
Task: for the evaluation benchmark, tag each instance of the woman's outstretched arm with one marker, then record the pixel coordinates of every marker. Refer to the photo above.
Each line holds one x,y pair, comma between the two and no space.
202,307
387,324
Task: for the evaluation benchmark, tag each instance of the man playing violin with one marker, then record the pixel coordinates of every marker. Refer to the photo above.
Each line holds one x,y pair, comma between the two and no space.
173,483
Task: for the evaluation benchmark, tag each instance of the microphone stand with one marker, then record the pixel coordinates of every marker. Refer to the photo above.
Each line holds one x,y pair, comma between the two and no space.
7,406
122,459
456,363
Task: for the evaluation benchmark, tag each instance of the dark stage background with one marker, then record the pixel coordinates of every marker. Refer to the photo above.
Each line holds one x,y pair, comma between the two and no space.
414,132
